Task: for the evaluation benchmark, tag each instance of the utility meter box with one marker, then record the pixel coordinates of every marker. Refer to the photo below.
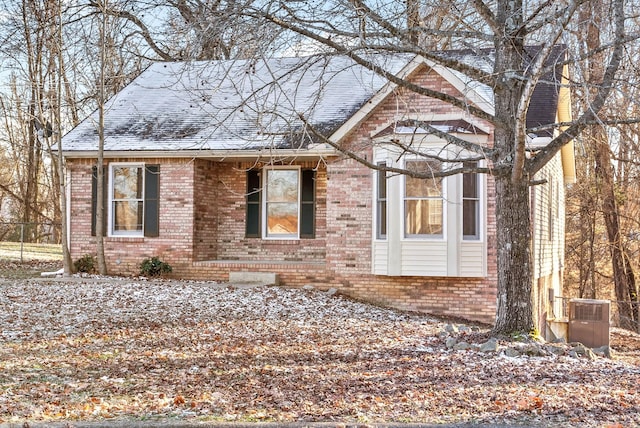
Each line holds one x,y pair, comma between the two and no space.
589,322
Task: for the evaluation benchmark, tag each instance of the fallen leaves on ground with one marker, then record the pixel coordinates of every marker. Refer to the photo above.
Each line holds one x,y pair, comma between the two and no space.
88,349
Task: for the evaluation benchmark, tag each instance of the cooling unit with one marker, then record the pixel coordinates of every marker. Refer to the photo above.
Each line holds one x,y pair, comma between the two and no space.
589,322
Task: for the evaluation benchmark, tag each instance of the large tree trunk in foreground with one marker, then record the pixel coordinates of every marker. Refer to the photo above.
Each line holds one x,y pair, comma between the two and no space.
515,302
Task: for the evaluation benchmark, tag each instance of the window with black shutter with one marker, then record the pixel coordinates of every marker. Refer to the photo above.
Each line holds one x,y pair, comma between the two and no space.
131,200
304,215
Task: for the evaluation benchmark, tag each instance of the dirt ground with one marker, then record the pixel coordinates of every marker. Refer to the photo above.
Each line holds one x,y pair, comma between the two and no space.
129,349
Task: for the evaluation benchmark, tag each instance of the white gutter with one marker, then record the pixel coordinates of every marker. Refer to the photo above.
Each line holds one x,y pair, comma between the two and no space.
208,154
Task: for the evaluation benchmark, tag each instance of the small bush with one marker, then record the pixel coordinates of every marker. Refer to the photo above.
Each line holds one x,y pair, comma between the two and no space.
154,267
85,264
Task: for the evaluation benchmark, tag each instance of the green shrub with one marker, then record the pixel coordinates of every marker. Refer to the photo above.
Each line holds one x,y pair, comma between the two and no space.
154,267
85,264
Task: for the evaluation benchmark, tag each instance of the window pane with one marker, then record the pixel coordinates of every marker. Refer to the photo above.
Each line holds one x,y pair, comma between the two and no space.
470,218
282,205
382,184
282,185
282,218
381,203
423,217
423,200
127,182
382,219
127,215
470,204
469,185
420,188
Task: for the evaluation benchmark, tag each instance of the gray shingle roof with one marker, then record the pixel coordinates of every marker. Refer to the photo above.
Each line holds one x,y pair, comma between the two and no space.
231,105
253,104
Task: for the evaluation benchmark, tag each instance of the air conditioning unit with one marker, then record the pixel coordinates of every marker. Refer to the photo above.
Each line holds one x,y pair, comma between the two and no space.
589,322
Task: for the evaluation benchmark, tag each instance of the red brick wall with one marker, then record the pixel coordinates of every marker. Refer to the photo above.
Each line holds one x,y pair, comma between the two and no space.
208,190
124,255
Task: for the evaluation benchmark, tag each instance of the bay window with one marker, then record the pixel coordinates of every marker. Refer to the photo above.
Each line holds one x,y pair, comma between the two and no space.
432,226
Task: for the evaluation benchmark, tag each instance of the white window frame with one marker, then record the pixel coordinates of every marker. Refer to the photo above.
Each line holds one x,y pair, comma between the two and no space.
264,203
111,215
378,202
480,217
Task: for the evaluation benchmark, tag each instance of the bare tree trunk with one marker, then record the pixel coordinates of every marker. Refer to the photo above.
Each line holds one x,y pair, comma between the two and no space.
67,263
413,20
623,276
587,286
515,300
100,208
513,224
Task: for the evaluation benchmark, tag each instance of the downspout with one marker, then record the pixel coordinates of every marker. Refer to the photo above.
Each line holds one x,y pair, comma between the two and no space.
564,116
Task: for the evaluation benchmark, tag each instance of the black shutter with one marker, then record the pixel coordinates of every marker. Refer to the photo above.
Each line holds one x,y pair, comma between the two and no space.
152,200
252,227
308,204
94,198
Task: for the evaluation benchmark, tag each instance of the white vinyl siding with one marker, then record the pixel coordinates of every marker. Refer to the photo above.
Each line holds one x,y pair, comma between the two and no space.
419,259
472,258
380,257
548,230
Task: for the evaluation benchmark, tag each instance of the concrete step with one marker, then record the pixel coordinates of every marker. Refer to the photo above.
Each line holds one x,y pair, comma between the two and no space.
262,278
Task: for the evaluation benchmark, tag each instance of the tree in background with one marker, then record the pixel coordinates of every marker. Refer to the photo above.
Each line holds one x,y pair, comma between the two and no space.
194,29
599,248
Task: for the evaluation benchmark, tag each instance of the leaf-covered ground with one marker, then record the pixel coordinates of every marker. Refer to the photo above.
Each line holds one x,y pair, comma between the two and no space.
95,349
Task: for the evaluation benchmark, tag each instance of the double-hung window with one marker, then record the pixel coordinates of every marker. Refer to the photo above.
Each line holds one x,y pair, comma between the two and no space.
423,201
127,199
381,202
470,204
280,203
282,207
131,194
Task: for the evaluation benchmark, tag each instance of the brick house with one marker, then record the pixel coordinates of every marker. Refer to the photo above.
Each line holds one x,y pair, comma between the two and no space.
212,167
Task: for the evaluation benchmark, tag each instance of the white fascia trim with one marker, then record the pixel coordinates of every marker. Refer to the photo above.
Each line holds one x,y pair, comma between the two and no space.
208,154
437,117
429,140
536,143
464,88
